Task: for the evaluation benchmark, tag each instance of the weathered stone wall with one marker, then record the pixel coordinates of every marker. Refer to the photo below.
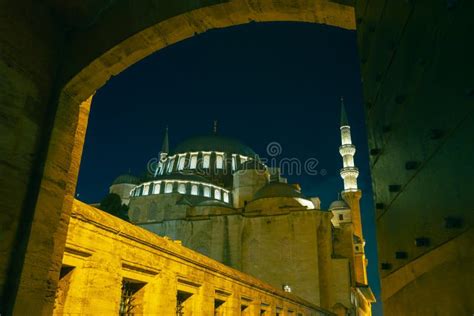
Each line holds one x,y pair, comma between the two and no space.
418,90
292,248
27,73
103,250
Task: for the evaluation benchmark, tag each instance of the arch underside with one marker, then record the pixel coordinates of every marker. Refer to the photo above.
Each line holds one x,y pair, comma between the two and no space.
109,48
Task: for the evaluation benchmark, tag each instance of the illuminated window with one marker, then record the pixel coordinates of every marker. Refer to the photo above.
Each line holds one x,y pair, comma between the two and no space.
137,191
226,197
146,188
160,168
207,192
194,160
194,189
132,192
217,194
169,187
182,188
220,161
181,161
234,162
206,162
170,165
156,188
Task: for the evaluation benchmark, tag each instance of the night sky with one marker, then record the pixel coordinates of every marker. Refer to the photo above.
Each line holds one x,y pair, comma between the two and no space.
263,83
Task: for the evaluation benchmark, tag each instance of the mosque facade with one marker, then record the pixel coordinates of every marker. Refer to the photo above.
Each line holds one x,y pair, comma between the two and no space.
215,196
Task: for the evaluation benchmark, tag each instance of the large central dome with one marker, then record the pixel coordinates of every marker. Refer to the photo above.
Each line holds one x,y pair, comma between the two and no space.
214,143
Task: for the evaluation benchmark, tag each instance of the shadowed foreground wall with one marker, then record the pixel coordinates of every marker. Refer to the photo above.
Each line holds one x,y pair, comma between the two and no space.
417,62
102,250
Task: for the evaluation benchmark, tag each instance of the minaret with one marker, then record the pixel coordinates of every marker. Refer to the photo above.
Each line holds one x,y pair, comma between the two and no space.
351,194
347,150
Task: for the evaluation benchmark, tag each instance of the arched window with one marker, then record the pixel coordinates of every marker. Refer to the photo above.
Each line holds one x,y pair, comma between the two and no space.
182,188
156,188
234,162
170,165
194,189
194,160
160,168
146,188
181,161
207,192
169,187
206,162
217,194
220,161
226,197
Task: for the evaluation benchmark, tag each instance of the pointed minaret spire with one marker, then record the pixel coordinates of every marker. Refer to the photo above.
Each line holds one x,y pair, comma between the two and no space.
349,172
165,147
215,127
344,121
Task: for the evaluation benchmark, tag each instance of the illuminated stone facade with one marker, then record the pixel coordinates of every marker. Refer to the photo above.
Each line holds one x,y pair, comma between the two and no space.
111,267
217,197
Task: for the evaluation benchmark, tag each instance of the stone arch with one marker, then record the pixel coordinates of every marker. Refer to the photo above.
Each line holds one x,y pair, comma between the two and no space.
76,60
123,47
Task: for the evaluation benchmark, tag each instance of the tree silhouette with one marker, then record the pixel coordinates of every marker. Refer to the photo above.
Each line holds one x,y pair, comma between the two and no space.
112,204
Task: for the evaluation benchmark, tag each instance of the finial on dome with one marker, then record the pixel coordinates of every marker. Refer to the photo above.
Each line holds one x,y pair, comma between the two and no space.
215,127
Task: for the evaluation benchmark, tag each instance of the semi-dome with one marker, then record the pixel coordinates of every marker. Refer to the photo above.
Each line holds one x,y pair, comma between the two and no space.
126,179
277,189
338,205
214,143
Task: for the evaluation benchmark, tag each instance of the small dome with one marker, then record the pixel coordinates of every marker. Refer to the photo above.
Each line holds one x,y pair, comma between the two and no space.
277,189
126,179
338,205
214,143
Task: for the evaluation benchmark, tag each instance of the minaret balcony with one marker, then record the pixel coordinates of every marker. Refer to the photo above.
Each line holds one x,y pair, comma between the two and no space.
349,172
348,149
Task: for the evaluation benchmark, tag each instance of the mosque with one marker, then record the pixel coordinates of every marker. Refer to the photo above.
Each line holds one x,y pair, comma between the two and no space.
216,196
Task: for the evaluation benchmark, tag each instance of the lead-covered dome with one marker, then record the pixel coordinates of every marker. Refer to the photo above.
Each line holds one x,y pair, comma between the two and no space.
126,179
277,189
214,143
338,205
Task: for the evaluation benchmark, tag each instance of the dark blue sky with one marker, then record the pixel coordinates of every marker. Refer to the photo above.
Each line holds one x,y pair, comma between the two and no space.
263,82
